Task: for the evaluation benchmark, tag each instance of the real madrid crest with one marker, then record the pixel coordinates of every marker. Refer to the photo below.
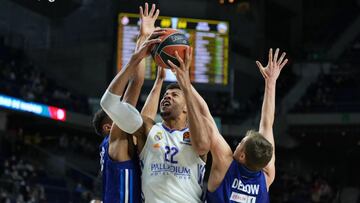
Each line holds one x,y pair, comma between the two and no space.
158,136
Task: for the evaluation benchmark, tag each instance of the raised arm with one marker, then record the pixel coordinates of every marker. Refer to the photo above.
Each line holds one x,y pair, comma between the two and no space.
125,116
147,27
199,138
204,132
151,105
270,73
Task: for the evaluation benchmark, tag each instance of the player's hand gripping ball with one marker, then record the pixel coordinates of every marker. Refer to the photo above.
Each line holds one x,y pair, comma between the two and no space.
171,41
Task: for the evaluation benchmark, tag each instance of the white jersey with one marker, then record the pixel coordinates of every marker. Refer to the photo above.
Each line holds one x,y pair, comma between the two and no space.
171,169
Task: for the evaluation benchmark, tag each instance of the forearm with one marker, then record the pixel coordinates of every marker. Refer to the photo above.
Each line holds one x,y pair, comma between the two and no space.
268,111
125,116
133,90
197,123
151,105
120,81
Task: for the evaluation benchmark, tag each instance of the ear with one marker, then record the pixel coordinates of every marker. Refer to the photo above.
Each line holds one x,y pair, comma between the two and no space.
242,156
106,128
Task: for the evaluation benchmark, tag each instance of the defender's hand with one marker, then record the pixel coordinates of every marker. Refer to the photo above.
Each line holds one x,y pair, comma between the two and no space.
272,70
147,25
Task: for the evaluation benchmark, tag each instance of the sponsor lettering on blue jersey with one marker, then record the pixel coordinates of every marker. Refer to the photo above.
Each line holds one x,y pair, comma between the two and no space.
240,185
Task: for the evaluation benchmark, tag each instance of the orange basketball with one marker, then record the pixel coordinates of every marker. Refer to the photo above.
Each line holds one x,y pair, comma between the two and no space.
171,41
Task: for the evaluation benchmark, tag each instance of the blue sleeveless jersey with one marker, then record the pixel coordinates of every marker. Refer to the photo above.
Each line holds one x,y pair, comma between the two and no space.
121,180
240,185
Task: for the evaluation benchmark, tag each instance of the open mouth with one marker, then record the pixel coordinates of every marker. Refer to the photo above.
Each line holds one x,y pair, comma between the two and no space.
166,103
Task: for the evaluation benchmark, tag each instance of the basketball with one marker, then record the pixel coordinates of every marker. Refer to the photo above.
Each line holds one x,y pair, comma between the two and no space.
171,41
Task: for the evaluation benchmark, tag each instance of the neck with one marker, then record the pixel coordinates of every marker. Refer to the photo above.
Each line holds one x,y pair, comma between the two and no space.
175,124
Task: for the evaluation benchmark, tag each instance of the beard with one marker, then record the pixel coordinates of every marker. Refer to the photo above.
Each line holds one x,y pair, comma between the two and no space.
165,115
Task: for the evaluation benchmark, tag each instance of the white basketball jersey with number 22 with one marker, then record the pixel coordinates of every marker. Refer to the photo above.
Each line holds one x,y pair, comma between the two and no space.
171,170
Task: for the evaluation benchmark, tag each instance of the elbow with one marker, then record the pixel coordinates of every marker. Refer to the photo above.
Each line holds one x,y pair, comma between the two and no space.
108,100
103,103
125,116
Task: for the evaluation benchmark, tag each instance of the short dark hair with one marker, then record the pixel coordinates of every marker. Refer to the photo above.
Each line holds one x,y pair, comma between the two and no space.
174,85
100,118
258,150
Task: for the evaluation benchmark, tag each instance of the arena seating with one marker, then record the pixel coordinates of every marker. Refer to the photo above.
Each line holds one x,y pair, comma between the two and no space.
22,79
335,91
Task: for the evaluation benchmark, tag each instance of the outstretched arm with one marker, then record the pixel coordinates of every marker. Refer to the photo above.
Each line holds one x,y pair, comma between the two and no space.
151,105
270,73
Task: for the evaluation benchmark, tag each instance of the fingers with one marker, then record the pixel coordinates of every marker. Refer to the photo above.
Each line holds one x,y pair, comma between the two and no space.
259,65
173,67
152,10
283,63
152,41
141,11
182,64
188,54
281,58
270,56
276,55
156,14
146,12
261,68
156,34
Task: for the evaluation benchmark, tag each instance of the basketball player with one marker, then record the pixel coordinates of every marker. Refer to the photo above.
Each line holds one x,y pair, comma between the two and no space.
172,165
102,125
245,175
119,160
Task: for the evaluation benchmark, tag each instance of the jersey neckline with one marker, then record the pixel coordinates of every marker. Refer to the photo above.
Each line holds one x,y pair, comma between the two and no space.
172,130
246,172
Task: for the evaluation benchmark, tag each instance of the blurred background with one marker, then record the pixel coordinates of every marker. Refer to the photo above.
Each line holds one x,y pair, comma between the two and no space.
58,56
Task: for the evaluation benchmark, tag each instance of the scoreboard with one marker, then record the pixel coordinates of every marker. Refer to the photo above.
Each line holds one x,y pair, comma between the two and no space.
209,38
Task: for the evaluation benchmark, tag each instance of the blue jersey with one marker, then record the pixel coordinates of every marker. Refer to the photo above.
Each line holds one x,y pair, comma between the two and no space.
121,180
240,185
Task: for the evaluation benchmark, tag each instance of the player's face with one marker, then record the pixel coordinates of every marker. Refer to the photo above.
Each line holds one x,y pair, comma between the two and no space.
172,104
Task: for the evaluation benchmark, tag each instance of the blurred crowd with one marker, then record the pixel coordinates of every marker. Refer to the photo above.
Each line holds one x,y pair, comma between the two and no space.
18,179
22,79
335,90
25,176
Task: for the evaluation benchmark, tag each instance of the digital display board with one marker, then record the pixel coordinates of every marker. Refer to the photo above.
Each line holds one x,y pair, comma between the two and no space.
32,107
209,38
